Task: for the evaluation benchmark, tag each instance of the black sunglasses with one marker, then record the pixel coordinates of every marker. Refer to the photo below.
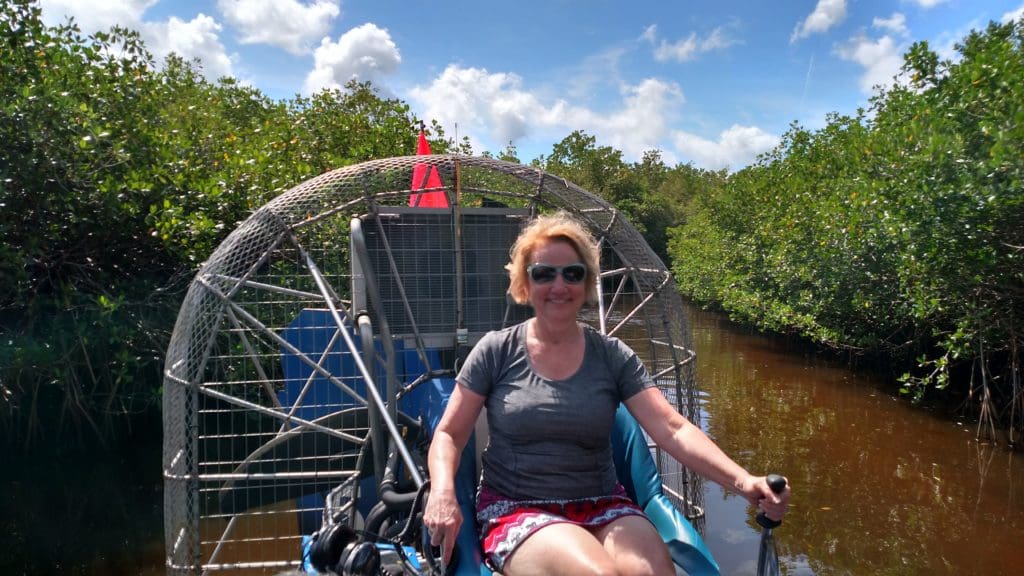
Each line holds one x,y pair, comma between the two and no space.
545,273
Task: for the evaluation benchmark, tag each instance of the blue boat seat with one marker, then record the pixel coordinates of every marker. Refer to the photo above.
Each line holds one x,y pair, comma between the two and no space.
639,475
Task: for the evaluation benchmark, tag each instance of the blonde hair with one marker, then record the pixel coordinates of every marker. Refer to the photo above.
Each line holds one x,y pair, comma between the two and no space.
557,227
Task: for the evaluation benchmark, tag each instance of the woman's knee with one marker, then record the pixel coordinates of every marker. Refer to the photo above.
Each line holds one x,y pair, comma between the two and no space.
645,566
561,549
636,548
568,564
568,561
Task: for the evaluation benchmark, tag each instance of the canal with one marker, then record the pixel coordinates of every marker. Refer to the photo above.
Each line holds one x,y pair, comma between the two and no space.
880,486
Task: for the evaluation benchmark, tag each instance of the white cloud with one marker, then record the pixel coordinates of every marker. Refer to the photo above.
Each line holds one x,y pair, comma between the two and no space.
287,24
897,24
926,4
1013,15
493,109
736,147
594,75
96,15
688,48
364,53
198,38
739,536
650,34
826,14
881,60
642,123
945,44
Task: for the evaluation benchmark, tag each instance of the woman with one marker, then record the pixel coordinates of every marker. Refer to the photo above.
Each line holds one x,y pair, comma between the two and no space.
549,501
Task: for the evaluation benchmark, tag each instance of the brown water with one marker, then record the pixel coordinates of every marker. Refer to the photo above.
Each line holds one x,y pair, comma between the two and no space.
880,486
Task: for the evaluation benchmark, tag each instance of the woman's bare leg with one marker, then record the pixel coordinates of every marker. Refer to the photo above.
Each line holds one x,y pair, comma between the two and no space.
635,547
560,549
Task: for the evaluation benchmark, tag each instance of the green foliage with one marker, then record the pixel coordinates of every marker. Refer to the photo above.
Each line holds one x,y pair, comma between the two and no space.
117,178
509,154
896,229
652,196
899,230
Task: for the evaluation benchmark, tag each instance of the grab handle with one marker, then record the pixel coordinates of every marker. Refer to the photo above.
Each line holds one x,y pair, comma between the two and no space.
777,484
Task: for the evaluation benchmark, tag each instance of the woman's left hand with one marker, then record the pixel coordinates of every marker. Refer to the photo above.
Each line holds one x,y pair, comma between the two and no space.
756,490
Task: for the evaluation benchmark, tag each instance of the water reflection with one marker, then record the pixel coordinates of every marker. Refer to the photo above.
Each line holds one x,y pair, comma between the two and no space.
881,487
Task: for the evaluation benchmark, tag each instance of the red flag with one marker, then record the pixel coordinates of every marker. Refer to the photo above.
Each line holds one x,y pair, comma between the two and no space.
421,179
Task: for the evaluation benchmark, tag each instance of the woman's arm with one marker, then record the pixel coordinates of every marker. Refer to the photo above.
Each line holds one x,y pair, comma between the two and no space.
688,444
442,516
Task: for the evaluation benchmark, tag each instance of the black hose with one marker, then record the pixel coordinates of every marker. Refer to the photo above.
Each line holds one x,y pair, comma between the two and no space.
375,518
388,489
415,514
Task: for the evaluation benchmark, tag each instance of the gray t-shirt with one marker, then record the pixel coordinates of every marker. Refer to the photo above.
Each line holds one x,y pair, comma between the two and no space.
550,439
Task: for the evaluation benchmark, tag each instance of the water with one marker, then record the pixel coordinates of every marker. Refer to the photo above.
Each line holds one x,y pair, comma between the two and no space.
880,486
78,507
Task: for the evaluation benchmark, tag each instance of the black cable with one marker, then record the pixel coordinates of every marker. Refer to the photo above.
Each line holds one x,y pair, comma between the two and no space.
414,512
410,568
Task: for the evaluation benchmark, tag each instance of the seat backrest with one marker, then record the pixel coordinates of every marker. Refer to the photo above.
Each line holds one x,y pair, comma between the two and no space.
469,559
639,475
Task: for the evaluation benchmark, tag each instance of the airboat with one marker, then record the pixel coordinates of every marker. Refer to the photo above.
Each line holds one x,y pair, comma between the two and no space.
316,348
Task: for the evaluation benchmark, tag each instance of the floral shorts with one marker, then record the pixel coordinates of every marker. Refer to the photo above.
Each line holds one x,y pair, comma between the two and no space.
506,523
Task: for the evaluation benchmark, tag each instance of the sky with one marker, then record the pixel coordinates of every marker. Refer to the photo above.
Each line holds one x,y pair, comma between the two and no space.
707,83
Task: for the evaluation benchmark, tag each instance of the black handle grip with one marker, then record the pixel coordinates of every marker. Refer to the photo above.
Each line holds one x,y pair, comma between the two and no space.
777,484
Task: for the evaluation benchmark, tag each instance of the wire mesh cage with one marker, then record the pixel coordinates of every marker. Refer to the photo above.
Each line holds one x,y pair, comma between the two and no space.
269,373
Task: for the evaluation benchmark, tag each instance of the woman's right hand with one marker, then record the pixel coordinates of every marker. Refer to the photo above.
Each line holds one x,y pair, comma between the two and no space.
443,518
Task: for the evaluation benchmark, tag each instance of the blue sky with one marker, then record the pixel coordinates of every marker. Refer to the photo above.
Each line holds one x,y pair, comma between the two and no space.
712,83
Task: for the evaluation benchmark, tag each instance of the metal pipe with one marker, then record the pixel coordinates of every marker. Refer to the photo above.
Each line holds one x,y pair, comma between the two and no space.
460,313
321,284
376,431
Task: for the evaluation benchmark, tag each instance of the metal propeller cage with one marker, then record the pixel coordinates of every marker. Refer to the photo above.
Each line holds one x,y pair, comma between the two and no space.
248,429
